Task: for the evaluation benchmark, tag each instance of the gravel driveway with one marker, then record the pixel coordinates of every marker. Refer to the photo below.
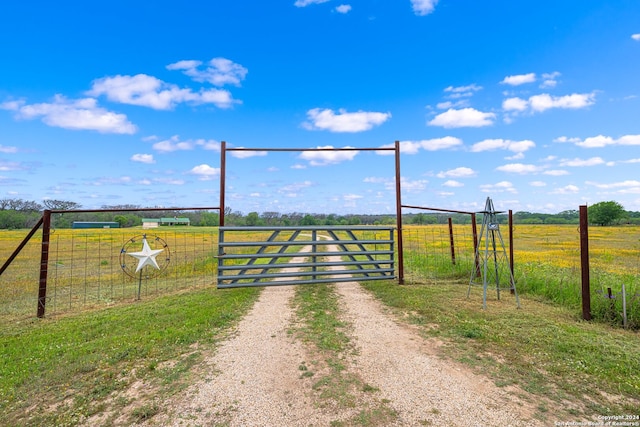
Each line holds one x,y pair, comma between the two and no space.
254,378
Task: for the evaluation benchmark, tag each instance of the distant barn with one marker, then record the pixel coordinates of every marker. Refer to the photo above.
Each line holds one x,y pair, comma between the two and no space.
156,222
95,224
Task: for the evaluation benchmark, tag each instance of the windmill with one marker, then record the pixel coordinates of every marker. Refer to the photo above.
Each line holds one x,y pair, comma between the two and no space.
492,264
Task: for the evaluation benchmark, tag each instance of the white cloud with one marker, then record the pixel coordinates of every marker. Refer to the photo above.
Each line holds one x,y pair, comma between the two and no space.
452,183
10,166
406,147
569,189
463,89
148,91
636,37
293,190
423,7
323,158
326,119
500,187
205,172
413,147
410,186
503,144
538,184
218,72
173,144
143,158
600,141
247,154
406,184
461,172
582,162
444,143
8,149
549,80
343,8
457,92
566,139
351,197
448,104
514,104
545,101
375,180
170,181
79,114
466,117
519,79
555,172
615,185
518,168
304,3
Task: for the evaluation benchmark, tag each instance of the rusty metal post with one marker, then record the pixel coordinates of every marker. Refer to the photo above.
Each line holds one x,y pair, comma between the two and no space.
584,262
474,230
223,172
44,263
453,249
399,216
513,285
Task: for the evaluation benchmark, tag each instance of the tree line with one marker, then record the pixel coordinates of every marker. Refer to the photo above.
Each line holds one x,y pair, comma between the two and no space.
18,213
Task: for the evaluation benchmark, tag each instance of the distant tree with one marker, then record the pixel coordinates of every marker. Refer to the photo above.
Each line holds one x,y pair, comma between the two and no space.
252,219
120,219
61,205
419,219
308,220
271,218
209,219
605,213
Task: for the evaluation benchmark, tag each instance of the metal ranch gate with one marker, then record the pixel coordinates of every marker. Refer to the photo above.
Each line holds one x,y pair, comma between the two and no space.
304,255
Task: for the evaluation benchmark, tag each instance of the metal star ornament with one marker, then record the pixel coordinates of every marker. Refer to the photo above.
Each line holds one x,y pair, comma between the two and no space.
146,256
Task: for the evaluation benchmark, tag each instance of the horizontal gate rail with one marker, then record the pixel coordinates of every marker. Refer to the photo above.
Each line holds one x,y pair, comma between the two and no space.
362,253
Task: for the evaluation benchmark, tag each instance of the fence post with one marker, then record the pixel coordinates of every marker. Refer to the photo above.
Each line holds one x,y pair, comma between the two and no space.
474,230
584,263
44,263
453,249
513,284
399,217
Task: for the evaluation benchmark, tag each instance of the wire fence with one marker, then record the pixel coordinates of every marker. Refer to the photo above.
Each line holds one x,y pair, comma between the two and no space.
90,268
85,267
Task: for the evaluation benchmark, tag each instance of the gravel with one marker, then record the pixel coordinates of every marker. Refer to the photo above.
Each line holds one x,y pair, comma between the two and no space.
255,375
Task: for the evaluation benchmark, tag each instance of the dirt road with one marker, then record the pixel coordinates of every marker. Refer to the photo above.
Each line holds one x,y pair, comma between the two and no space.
255,378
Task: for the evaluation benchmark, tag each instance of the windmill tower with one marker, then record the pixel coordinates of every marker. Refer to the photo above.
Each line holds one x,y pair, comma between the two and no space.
492,264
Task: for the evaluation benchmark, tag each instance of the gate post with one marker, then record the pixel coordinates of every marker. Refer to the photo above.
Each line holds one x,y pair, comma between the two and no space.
584,261
223,172
44,263
399,217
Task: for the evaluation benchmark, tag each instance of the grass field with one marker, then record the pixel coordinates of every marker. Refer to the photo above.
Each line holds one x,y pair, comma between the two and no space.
546,264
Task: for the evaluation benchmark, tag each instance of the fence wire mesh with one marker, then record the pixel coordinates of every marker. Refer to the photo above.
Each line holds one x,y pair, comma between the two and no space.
84,269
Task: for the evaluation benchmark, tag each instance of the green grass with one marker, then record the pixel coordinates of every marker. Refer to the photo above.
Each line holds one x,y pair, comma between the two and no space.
543,349
61,371
317,307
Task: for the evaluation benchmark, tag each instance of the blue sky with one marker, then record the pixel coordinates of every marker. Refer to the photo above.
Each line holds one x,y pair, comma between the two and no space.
532,103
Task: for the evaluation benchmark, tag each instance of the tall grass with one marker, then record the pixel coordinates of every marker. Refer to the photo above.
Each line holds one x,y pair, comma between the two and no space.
546,264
